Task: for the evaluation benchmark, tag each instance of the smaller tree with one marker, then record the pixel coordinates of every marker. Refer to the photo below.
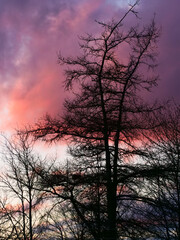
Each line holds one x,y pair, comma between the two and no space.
163,185
20,182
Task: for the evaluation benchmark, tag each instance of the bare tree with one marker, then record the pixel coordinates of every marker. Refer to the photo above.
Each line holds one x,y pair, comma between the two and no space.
20,182
164,187
107,115
9,221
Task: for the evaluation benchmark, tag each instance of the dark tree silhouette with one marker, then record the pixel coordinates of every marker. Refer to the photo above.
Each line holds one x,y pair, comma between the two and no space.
164,187
20,186
106,116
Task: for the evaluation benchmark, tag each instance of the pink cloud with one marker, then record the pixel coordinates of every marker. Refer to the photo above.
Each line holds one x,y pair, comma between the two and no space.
31,80
32,33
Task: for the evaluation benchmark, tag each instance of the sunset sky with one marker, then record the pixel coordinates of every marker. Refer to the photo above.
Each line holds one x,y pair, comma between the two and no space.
32,32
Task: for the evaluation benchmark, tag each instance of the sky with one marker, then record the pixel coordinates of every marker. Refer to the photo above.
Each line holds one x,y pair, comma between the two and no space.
33,32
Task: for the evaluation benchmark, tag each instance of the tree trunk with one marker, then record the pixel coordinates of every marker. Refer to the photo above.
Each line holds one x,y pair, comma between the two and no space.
111,205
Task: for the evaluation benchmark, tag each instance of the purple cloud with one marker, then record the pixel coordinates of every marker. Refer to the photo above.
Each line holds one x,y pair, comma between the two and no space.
32,32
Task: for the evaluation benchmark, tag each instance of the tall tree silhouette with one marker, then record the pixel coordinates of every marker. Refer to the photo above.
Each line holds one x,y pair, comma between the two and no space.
107,115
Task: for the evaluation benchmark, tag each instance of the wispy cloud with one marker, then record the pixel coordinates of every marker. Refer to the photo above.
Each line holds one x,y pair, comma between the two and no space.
31,34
